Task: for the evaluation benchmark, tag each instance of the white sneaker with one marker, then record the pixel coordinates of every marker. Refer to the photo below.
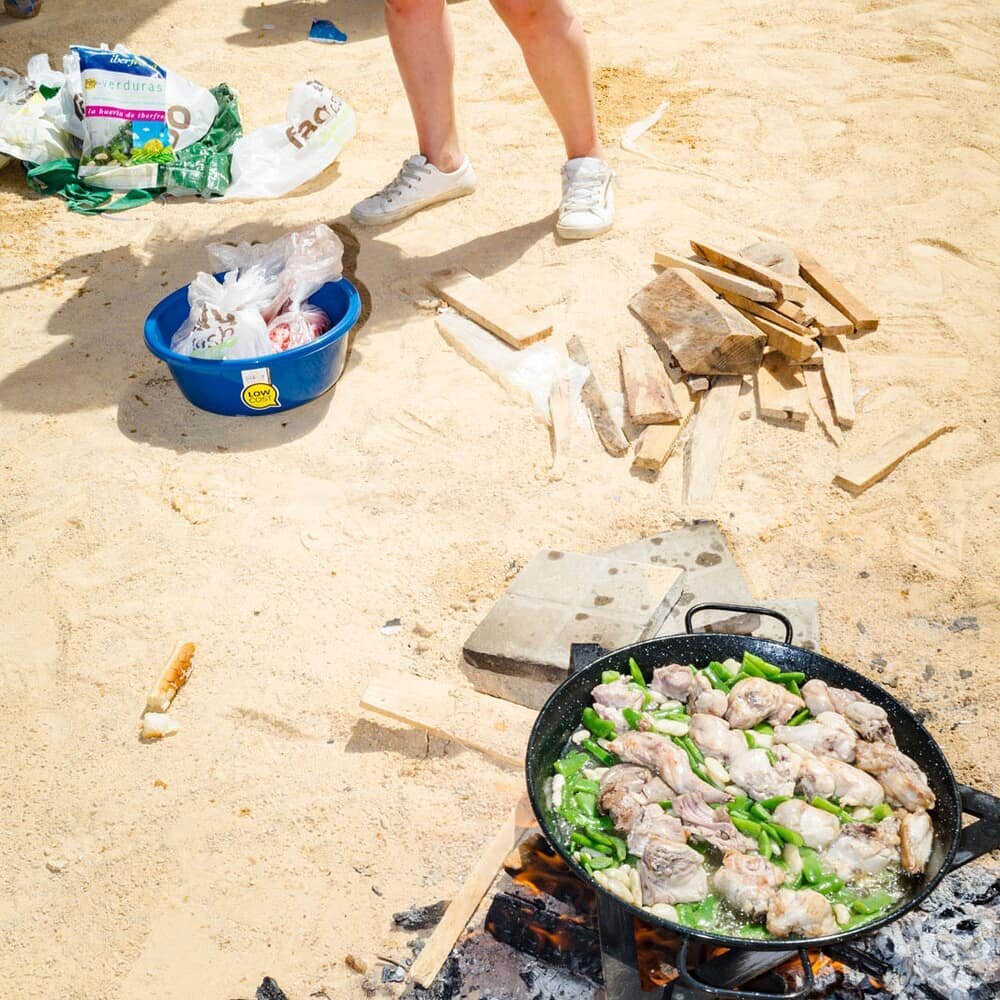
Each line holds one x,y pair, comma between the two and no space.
417,185
588,201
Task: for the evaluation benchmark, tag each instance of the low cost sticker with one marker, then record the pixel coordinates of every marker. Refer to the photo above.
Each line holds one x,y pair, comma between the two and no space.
258,392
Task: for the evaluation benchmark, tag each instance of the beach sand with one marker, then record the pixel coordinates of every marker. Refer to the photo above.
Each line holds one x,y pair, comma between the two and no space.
280,829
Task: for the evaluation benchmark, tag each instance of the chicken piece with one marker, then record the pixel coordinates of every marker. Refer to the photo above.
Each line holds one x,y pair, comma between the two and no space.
820,697
653,822
670,872
754,699
747,883
622,795
916,837
610,699
864,848
816,778
800,913
714,826
818,828
714,737
904,783
706,699
870,722
662,755
828,735
753,771
656,790
673,681
852,786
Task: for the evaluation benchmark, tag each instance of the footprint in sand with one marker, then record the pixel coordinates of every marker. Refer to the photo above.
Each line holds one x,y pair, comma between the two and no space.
943,269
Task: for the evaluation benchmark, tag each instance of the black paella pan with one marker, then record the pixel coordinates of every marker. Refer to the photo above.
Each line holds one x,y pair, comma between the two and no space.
953,846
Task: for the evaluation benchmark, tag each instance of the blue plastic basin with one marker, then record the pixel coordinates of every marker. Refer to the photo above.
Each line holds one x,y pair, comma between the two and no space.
251,387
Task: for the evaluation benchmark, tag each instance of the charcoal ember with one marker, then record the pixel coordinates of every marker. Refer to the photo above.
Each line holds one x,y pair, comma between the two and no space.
421,918
393,974
529,927
447,985
270,990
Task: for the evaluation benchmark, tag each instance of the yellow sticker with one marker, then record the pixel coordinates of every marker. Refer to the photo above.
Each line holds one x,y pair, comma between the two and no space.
260,396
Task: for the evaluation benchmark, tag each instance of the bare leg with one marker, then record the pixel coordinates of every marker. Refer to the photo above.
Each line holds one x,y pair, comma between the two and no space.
555,50
422,42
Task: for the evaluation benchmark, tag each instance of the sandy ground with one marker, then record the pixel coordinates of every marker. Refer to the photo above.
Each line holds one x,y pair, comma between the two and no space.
281,828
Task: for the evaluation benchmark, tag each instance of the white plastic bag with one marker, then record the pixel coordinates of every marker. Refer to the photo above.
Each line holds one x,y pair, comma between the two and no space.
26,129
301,324
225,319
276,159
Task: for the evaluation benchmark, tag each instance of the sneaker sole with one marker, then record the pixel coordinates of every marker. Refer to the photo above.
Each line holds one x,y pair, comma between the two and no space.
387,218
568,233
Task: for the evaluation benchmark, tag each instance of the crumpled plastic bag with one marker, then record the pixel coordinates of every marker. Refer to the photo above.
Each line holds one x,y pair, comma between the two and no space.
225,320
260,307
29,129
276,159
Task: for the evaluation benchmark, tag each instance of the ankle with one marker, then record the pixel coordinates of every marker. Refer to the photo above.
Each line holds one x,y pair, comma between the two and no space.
594,151
447,161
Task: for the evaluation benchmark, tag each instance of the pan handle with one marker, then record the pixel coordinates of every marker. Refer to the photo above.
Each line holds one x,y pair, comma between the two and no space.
983,836
741,609
776,958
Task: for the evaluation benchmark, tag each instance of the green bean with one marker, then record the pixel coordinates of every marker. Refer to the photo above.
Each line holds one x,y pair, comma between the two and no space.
571,764
875,903
718,671
771,756
827,806
751,742
792,675
757,811
764,844
697,914
880,812
796,882
748,826
828,883
599,861
788,836
674,715
754,933
799,717
752,670
586,802
766,669
741,676
764,727
693,751
772,803
619,847
607,759
741,803
584,841
637,673
578,783
793,686
812,870
610,676
666,805
632,717
601,728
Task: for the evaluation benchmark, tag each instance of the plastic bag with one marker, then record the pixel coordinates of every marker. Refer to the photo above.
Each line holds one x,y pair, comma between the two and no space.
204,167
276,159
301,324
27,131
126,138
225,319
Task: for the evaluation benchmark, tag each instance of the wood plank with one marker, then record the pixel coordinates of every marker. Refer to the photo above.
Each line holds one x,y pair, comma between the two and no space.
795,312
786,286
704,333
781,392
772,314
647,388
718,279
608,431
655,446
826,319
831,289
562,426
489,307
707,444
794,345
489,725
819,400
837,370
858,475
428,963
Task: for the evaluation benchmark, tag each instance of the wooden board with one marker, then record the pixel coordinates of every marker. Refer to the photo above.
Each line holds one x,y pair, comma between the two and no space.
831,289
858,475
786,286
781,391
709,434
428,963
717,278
606,427
819,400
462,715
772,314
705,334
655,446
794,345
826,319
837,369
489,307
647,388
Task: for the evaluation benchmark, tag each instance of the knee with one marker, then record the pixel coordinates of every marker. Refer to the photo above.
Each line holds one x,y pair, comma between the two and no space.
527,17
407,8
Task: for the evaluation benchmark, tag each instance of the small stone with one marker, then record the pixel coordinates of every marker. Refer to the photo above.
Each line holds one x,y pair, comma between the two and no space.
965,674
423,631
861,628
864,574
391,627
376,890
392,974
57,865
928,671
369,987
744,414
270,990
356,964
967,622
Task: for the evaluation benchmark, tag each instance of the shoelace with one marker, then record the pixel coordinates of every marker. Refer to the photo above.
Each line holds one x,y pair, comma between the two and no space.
409,173
584,192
